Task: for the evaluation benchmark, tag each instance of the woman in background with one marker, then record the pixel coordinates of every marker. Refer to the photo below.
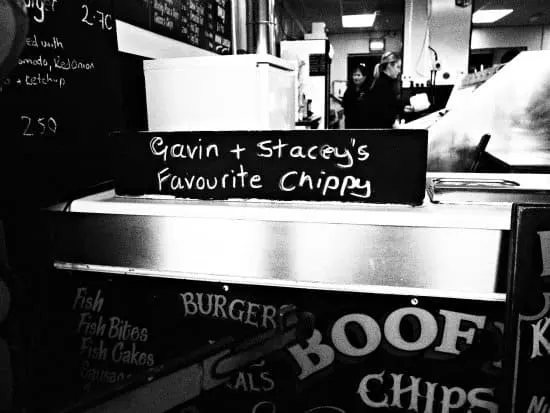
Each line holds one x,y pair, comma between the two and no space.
355,99
384,104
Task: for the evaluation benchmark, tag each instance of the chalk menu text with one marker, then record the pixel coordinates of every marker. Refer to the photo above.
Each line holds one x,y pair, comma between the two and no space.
360,166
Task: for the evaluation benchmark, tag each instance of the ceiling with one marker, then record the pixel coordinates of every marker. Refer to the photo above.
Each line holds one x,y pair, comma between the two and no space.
526,12
389,18
391,13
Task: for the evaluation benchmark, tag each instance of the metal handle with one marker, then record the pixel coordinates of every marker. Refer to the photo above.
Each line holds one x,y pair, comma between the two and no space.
440,183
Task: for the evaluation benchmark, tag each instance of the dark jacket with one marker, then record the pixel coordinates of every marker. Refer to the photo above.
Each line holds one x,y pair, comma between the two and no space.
383,103
355,106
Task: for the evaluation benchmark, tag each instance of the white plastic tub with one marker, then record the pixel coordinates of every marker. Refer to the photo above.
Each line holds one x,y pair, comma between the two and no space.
243,92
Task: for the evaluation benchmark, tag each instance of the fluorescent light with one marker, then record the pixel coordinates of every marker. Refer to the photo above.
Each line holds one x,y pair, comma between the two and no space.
358,20
490,16
377,45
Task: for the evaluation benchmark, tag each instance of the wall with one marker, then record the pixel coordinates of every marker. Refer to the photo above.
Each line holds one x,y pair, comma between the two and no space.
312,86
289,16
443,26
450,37
415,56
141,42
355,43
546,38
533,37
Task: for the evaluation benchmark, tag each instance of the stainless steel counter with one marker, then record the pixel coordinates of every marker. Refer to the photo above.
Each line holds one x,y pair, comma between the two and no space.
456,250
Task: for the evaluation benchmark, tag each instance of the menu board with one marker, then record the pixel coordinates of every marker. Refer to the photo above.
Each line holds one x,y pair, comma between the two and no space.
371,166
60,101
202,23
527,362
318,64
363,352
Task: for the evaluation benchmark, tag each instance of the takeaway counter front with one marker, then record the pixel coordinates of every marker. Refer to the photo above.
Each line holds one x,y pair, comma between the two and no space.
155,303
406,304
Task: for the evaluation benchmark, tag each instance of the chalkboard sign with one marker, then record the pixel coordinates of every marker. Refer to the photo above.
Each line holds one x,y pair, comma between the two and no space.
383,352
377,166
317,64
61,101
202,23
527,361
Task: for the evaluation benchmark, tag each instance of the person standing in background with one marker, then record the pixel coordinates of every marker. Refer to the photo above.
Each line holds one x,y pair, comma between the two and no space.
384,104
355,99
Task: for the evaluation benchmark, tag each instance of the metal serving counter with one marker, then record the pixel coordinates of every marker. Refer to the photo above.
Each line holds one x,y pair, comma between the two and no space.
411,298
453,250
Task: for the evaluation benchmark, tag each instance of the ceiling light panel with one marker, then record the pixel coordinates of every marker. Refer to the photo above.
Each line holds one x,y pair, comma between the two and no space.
358,20
490,16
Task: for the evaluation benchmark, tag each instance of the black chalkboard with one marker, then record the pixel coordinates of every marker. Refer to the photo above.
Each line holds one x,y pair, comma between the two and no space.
317,64
61,100
376,166
201,23
527,361
136,12
367,349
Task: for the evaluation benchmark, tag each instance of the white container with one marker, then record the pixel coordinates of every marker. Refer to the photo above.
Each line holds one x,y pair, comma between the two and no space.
313,87
238,92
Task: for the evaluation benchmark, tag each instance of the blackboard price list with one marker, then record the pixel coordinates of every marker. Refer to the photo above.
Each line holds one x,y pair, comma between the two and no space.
39,9
167,14
39,126
96,18
183,22
220,22
111,347
196,13
221,14
45,66
195,22
36,79
194,34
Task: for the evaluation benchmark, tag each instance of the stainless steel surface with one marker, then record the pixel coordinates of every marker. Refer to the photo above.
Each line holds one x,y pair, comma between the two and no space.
234,24
428,215
483,188
446,259
240,26
524,159
261,26
271,26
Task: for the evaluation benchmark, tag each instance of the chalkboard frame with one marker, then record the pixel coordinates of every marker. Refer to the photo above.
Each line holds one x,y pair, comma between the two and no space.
525,295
